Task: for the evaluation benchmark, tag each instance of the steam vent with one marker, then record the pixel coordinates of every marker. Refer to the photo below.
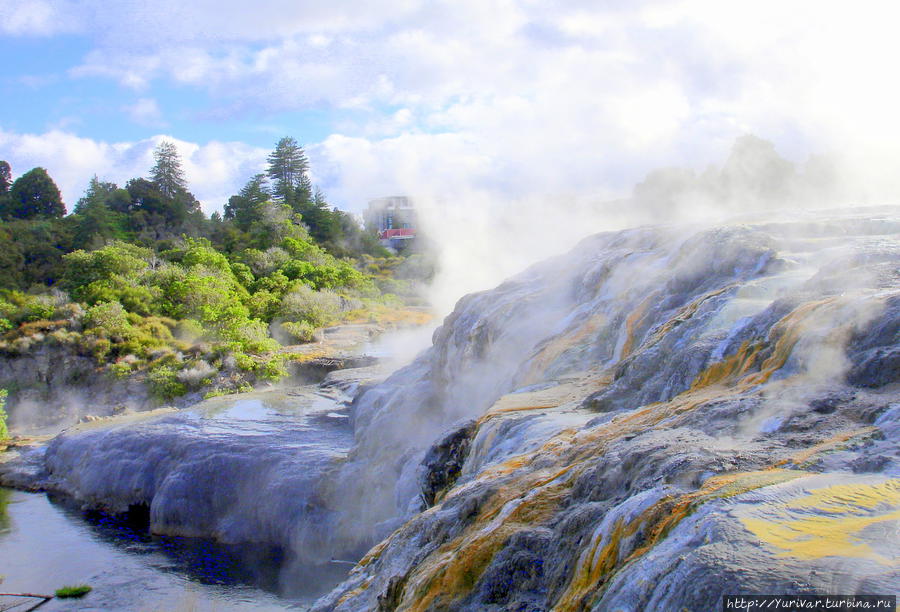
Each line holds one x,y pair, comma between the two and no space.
658,418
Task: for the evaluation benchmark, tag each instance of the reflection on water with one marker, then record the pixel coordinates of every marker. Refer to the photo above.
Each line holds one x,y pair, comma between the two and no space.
4,516
45,544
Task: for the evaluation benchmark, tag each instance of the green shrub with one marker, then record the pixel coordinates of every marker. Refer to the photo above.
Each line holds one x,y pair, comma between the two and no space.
264,305
318,308
189,330
164,384
121,369
300,332
108,317
4,432
271,368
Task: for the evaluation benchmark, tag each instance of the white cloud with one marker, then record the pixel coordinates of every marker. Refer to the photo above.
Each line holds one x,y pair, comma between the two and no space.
32,18
215,170
482,102
146,112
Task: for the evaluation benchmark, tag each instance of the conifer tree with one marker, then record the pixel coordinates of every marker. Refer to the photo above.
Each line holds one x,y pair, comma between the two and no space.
246,207
288,167
167,174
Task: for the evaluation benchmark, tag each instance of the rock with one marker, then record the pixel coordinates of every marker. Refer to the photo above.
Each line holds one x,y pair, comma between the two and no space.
444,461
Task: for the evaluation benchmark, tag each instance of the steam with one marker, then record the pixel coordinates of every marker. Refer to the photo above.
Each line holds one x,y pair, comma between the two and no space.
482,238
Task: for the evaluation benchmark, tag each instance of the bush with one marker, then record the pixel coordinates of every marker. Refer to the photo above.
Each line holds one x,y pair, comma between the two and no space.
300,332
4,432
164,383
318,308
108,317
196,376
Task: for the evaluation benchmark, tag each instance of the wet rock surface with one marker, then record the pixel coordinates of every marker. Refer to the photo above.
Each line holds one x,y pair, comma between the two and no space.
658,418
239,469
661,417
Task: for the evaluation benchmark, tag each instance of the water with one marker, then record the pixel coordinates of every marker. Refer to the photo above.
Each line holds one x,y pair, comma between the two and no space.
46,544
280,441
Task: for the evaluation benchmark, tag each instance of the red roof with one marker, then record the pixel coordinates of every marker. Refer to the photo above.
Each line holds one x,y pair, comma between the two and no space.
400,232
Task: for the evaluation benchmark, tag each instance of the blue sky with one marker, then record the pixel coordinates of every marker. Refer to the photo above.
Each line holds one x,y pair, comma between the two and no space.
496,98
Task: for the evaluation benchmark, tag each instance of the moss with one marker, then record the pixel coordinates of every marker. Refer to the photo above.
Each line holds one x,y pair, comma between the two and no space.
76,590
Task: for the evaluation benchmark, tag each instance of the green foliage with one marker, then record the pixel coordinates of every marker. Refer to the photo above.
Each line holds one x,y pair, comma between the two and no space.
264,304
111,273
161,292
109,319
167,173
31,251
164,384
301,332
248,207
318,308
288,167
77,590
100,215
4,432
18,307
33,195
5,177
242,273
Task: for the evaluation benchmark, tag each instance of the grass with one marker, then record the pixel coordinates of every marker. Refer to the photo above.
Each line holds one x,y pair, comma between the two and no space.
76,590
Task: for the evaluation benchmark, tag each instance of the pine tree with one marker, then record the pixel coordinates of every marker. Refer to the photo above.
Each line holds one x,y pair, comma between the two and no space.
288,167
167,174
246,207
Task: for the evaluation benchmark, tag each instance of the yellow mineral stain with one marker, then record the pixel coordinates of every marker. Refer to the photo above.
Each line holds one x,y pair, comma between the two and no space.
829,521
737,369
684,313
730,368
595,568
552,350
527,497
631,323
551,397
834,442
453,570
356,592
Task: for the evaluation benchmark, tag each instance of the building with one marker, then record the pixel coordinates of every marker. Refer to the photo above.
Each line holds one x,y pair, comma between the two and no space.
394,218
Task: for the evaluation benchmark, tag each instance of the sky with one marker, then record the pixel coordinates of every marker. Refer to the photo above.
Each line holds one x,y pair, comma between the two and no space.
498,98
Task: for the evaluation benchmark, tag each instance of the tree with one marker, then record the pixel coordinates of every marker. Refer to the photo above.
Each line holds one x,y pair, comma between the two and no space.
34,195
5,177
288,167
167,174
100,214
246,207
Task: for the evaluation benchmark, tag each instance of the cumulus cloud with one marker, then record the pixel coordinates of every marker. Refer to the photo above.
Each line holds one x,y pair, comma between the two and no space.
576,96
215,170
479,103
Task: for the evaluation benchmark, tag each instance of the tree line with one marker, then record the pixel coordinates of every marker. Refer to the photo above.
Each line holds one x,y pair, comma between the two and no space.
157,211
